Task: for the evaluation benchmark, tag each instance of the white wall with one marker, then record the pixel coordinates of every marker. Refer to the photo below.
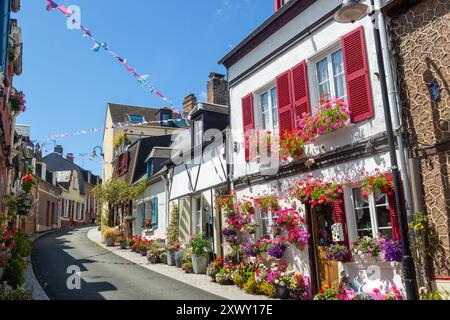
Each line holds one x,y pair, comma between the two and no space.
311,48
386,272
212,173
154,190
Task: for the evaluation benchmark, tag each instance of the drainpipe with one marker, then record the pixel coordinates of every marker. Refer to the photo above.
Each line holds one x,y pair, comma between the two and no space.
395,110
409,276
5,10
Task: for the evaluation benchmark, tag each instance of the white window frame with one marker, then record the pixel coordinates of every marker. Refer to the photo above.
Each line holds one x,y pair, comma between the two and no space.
351,218
313,76
257,107
260,215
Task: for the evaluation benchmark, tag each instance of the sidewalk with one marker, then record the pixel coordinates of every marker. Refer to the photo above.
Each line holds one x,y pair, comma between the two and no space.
196,280
31,282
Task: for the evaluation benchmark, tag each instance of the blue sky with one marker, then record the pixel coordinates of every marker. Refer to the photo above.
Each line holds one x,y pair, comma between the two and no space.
177,43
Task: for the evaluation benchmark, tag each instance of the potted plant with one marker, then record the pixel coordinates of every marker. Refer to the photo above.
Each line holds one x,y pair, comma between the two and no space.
199,254
298,237
366,250
224,276
187,267
122,242
281,280
178,259
338,252
288,218
298,286
214,267
109,235
277,249
153,256
392,250
172,249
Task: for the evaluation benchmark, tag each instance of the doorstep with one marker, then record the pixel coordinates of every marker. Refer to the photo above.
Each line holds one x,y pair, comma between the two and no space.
200,281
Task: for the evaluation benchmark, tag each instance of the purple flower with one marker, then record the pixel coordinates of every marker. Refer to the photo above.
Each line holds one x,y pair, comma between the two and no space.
392,250
277,251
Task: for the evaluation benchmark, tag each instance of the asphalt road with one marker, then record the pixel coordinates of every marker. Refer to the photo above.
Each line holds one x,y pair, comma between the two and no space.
104,275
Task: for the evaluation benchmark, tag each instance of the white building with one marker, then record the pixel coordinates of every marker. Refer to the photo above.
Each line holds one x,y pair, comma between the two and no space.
282,70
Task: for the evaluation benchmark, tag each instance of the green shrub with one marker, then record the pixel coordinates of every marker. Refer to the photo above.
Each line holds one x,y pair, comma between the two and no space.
199,245
268,289
14,273
436,295
251,286
8,293
238,279
23,245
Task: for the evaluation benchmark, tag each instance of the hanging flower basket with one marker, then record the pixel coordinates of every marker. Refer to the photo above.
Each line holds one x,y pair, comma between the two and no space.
376,182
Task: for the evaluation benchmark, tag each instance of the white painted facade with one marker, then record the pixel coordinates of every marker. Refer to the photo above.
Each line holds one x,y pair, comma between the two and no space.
313,46
154,190
195,183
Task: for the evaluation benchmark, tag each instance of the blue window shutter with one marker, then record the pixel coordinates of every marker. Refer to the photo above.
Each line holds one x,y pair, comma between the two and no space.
155,213
149,169
143,213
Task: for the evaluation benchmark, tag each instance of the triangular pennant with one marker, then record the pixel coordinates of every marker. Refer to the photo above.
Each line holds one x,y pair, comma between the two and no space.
51,5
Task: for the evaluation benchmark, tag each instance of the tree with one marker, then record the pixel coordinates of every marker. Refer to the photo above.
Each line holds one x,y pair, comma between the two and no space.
117,191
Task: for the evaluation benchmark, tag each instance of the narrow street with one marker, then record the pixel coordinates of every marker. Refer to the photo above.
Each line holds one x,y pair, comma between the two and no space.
103,274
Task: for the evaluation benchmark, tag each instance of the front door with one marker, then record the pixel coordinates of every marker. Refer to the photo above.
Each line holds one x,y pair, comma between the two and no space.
327,270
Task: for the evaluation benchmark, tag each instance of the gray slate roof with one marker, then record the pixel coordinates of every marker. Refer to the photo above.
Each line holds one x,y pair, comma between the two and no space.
120,112
56,162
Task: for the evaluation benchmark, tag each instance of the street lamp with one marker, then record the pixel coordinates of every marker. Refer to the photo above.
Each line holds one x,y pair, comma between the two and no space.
350,12
94,153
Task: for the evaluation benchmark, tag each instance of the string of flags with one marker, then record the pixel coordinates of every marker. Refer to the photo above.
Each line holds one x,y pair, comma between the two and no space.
125,125
142,79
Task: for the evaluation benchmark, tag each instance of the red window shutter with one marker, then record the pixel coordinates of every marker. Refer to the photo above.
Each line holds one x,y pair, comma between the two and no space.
357,75
300,89
393,212
125,162
248,122
339,216
285,110
278,4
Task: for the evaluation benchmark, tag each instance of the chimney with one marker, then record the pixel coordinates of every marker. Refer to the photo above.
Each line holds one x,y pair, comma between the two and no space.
59,149
218,89
70,157
189,103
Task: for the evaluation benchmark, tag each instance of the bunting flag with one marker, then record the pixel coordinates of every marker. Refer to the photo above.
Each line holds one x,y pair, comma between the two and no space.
98,46
177,122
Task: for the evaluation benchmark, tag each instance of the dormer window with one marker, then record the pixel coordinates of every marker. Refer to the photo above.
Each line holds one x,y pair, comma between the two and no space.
135,118
166,115
279,4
